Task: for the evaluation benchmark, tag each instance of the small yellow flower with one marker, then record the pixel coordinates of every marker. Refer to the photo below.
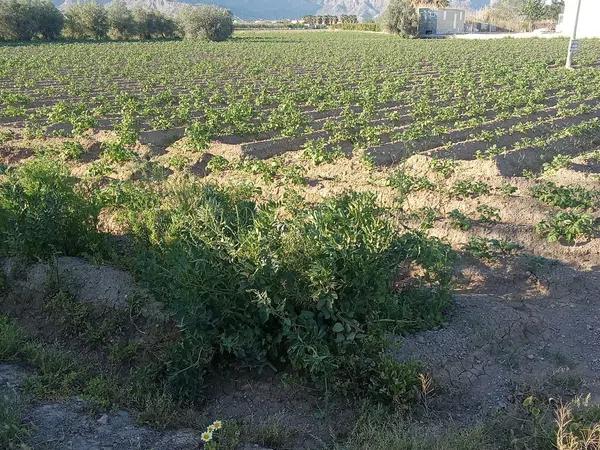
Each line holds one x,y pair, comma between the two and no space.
206,436
211,428
217,425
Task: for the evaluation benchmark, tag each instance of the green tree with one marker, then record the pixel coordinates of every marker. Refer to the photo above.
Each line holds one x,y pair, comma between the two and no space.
49,20
86,20
153,24
121,23
23,20
533,10
207,22
554,9
401,18
17,20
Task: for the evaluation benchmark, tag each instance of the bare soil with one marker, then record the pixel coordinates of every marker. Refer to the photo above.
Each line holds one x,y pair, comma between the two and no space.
71,424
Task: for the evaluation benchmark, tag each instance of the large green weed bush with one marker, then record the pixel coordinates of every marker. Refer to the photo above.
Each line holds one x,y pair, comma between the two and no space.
310,288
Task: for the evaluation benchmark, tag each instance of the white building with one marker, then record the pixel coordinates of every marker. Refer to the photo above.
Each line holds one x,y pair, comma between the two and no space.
589,19
442,21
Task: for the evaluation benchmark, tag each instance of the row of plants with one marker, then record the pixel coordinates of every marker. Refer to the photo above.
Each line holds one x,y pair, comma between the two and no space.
377,108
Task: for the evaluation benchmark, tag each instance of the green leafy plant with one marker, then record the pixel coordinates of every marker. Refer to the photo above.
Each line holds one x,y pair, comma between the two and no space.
564,196
568,226
508,189
117,152
311,291
6,135
218,164
72,150
490,248
459,220
488,214
200,135
471,189
427,215
318,152
445,167
557,163
405,183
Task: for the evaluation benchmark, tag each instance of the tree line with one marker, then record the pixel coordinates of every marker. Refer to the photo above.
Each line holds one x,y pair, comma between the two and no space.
25,20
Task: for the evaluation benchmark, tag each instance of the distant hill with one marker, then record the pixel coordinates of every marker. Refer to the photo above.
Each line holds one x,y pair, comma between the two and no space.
279,9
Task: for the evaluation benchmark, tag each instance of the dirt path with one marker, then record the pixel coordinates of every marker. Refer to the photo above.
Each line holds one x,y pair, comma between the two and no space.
524,324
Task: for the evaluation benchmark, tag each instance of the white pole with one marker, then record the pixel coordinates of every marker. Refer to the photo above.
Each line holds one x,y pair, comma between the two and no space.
573,37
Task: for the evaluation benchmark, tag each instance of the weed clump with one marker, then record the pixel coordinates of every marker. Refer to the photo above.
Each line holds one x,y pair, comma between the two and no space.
310,289
44,212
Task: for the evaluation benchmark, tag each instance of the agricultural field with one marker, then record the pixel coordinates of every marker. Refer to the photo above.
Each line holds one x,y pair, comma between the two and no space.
321,239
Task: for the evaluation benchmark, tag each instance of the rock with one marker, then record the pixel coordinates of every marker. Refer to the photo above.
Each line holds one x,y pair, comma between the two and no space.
103,420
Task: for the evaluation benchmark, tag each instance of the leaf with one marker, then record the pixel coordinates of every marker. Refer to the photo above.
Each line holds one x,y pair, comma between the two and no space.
338,328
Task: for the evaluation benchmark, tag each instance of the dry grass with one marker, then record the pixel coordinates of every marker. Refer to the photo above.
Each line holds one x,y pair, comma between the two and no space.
572,436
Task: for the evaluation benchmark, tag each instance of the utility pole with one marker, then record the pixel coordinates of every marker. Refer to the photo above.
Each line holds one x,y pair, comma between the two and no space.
573,44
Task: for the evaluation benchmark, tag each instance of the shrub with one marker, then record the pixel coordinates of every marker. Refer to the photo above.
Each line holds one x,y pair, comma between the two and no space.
401,18
207,22
86,20
25,19
311,289
42,212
